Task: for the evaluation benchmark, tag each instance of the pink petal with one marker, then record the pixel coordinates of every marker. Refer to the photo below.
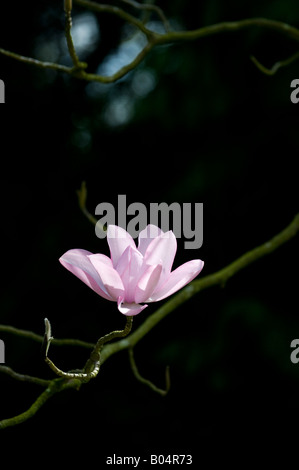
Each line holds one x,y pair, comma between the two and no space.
129,309
123,261
162,250
146,236
129,268
109,276
118,240
147,283
77,262
178,279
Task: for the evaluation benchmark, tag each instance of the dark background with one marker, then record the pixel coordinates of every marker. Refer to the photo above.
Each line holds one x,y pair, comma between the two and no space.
212,129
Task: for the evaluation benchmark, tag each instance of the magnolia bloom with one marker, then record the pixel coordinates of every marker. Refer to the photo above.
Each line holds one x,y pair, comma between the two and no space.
133,276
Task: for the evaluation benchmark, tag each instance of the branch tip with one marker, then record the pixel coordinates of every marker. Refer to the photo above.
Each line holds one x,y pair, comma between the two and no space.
47,337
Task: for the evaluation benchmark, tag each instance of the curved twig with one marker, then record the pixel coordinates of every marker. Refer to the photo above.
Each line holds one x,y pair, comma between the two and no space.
276,66
82,197
150,8
92,366
147,382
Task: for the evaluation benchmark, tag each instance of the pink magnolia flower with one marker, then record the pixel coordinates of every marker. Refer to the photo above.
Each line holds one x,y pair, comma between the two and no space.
132,276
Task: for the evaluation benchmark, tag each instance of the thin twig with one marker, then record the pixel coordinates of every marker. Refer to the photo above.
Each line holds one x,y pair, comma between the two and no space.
24,378
147,382
102,8
150,8
276,66
82,197
39,338
70,44
37,63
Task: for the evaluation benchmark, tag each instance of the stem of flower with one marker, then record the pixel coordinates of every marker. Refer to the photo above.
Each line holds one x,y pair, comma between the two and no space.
94,359
93,364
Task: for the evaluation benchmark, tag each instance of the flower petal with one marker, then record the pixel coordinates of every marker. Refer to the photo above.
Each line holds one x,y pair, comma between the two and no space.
77,262
162,250
109,276
178,279
129,268
123,261
118,240
129,309
147,283
146,236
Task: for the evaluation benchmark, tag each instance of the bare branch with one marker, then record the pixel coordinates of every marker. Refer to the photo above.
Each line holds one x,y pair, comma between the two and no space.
24,378
276,66
39,338
101,8
69,40
229,26
82,197
147,382
149,7
55,386
37,63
